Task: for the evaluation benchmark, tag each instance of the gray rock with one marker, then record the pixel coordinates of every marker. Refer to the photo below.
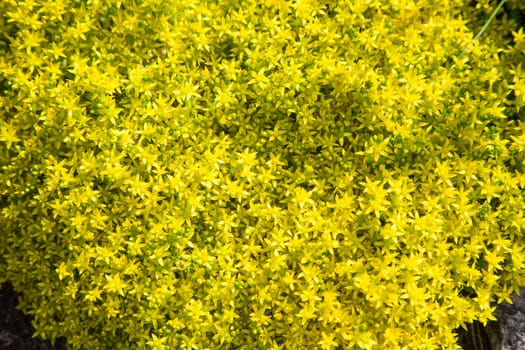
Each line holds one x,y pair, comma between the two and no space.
509,332
16,331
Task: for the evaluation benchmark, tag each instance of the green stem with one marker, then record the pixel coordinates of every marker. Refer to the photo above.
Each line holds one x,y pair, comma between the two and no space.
487,23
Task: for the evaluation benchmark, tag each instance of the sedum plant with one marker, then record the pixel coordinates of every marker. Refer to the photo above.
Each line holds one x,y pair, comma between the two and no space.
260,175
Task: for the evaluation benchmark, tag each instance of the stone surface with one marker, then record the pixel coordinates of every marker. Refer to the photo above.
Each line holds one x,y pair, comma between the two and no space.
15,328
509,333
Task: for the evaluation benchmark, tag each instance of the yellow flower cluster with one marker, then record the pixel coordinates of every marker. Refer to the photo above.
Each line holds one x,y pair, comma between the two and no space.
285,174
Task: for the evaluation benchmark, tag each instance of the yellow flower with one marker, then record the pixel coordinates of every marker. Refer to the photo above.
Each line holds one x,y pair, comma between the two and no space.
62,271
114,284
519,36
8,134
327,341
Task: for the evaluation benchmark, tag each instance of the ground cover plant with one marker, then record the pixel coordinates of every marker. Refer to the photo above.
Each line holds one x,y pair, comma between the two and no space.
260,175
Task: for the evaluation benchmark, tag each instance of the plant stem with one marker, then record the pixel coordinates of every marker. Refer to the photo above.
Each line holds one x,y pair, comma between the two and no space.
485,26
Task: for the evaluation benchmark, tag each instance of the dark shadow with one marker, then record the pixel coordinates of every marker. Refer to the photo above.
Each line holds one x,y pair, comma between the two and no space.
15,328
477,336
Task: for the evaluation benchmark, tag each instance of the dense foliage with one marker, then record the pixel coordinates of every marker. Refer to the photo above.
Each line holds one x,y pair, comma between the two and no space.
260,175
